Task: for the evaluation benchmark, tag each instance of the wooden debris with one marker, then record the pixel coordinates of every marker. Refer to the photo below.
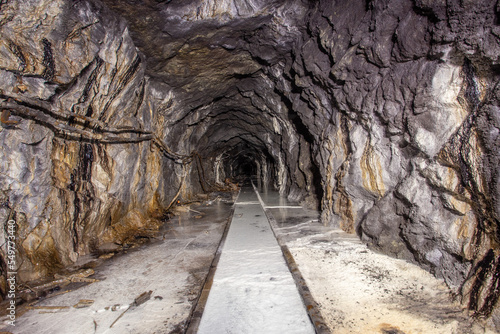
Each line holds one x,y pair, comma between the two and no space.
82,303
189,209
54,311
106,256
59,282
231,186
141,299
49,307
121,315
81,276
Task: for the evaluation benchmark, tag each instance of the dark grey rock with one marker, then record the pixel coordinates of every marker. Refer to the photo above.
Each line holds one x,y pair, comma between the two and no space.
385,112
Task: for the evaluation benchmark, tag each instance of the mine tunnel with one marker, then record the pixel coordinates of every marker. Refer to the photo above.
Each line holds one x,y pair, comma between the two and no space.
367,132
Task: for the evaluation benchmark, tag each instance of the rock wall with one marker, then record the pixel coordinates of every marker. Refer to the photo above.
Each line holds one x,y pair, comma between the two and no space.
77,169
401,98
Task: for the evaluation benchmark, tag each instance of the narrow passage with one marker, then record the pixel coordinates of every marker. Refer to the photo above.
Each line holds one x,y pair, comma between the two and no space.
253,290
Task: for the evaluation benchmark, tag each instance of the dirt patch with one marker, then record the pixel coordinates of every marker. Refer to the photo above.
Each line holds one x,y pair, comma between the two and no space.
360,291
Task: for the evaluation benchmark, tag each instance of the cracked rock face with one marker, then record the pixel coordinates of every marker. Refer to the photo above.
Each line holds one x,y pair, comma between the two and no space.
383,113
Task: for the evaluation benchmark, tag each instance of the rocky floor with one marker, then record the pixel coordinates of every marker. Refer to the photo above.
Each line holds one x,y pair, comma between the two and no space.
355,289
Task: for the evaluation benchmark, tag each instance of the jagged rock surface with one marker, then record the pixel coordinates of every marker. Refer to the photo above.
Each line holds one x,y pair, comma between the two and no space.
386,112
68,191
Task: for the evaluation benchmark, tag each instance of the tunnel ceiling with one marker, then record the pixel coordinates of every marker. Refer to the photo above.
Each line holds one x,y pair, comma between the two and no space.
215,56
221,63
201,48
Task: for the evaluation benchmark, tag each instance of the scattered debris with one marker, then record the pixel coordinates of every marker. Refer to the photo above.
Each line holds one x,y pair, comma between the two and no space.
59,282
106,256
141,299
50,309
194,210
81,276
231,186
169,287
82,303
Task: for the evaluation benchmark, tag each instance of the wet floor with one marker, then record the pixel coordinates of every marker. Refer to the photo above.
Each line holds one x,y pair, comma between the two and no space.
351,288
253,290
173,266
